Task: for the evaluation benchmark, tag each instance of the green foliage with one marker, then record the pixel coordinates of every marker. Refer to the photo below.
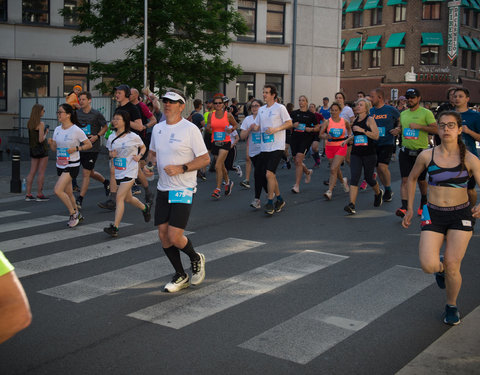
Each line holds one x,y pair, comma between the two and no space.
187,40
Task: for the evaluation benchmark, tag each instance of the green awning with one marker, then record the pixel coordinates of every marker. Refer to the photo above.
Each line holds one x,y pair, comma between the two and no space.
471,43
465,3
396,40
354,6
432,39
396,2
475,5
432,1
477,42
461,43
372,42
342,43
372,4
353,45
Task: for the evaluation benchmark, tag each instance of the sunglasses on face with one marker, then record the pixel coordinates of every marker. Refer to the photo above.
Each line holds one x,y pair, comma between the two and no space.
450,125
217,103
170,101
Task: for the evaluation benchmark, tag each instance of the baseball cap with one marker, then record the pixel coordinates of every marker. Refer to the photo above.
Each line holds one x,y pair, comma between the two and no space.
125,88
412,93
225,99
174,97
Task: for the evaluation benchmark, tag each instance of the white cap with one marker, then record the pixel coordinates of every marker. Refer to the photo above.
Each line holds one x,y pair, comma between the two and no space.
173,96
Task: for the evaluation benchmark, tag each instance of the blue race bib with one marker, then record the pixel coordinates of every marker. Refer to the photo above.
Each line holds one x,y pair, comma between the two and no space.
267,138
87,129
62,156
219,136
360,140
335,132
411,133
180,196
301,127
381,131
257,138
120,163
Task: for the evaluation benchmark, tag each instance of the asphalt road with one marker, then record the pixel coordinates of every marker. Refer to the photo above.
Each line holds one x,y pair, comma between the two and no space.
307,291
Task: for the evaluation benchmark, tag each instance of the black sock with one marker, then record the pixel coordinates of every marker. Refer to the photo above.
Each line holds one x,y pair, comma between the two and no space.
404,204
106,182
173,256
80,199
423,200
316,155
188,249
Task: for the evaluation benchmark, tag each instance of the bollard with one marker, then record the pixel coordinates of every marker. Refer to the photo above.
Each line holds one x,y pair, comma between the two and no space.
15,183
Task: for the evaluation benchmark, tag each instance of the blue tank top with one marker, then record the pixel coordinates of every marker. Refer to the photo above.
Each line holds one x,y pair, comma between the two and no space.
449,177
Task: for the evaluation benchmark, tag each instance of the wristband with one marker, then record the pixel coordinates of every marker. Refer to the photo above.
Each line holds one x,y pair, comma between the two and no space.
77,148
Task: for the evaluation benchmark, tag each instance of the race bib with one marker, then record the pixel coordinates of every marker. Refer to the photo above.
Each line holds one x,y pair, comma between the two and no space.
360,140
219,136
335,132
256,138
381,131
63,156
120,163
87,129
267,138
425,219
180,196
410,133
301,127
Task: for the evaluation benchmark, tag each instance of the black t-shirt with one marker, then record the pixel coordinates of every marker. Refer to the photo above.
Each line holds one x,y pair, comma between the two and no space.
362,144
134,113
234,112
305,119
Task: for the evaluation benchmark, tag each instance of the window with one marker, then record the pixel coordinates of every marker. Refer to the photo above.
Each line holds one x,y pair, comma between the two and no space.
431,11
429,55
70,18
475,20
344,21
3,10
356,60
3,85
398,56
248,9
466,17
275,23
400,13
376,16
74,75
375,57
277,80
473,65
35,79
245,87
464,64
357,19
342,61
35,11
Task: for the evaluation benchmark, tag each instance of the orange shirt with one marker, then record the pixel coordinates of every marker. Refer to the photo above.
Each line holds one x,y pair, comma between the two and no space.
336,130
218,128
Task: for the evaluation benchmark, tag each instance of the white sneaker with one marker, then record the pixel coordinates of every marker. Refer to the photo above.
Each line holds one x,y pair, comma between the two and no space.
346,188
73,222
256,203
198,270
178,282
238,170
308,177
328,195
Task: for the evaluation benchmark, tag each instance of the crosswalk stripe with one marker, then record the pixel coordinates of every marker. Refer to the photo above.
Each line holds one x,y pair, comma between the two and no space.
204,302
99,285
8,227
9,213
309,334
59,235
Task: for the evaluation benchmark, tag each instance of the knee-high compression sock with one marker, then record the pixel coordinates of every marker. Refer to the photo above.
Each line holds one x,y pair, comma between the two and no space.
404,204
188,249
173,256
423,200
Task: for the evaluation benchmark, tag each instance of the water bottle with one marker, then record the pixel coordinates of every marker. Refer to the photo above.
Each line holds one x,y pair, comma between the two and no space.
150,167
24,185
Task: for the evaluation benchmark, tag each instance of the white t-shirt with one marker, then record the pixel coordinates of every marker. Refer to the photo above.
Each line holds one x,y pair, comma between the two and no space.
254,138
272,117
127,147
176,144
65,139
347,114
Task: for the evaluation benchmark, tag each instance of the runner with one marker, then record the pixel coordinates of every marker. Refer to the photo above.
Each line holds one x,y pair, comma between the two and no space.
335,131
316,135
68,139
364,154
178,150
272,120
304,125
417,122
123,146
448,215
219,123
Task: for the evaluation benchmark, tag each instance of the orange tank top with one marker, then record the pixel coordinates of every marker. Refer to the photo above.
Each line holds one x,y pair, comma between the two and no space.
218,128
336,130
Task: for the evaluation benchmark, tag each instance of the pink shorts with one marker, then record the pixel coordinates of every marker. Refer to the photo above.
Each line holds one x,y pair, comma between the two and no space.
331,151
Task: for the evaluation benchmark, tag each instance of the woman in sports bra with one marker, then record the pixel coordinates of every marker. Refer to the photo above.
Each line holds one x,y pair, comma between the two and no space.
448,213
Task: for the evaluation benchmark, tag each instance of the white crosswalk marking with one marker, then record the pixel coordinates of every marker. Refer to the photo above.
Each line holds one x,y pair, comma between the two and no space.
8,227
95,286
59,235
192,307
309,334
10,213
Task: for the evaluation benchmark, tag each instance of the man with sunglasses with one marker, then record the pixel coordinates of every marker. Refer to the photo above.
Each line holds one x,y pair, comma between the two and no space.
178,150
416,124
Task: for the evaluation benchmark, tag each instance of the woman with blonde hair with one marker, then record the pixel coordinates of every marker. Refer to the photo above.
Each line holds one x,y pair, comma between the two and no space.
37,134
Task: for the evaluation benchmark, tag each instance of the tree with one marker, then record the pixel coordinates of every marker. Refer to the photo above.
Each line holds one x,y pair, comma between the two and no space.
186,41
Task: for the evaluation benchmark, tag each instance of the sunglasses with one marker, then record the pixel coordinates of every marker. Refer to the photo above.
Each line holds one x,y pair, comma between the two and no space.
170,101
217,103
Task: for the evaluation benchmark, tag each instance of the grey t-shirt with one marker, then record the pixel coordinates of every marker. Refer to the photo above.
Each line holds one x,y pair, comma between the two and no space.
91,123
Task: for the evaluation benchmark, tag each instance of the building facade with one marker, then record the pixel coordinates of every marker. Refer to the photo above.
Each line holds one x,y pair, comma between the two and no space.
285,36
397,44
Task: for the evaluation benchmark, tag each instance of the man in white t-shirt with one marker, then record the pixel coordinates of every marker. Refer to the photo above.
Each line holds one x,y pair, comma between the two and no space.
178,150
272,121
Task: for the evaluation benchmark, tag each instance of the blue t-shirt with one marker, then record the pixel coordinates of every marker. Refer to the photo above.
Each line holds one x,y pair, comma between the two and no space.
386,118
471,119
325,113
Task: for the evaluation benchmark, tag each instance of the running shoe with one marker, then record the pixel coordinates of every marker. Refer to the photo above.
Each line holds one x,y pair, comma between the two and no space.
201,175
42,198
269,209
295,190
420,211
75,188
346,188
308,177
109,204
363,185
256,204
178,282
316,165
146,212
73,221
401,212
440,276
80,216
112,230
238,171
106,187
350,208
216,193
279,205
228,188
136,190
377,202
328,195
452,316
29,198
245,184
198,270
387,197
79,202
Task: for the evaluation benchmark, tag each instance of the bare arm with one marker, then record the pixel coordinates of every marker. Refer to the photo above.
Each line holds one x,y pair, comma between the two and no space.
137,125
152,121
